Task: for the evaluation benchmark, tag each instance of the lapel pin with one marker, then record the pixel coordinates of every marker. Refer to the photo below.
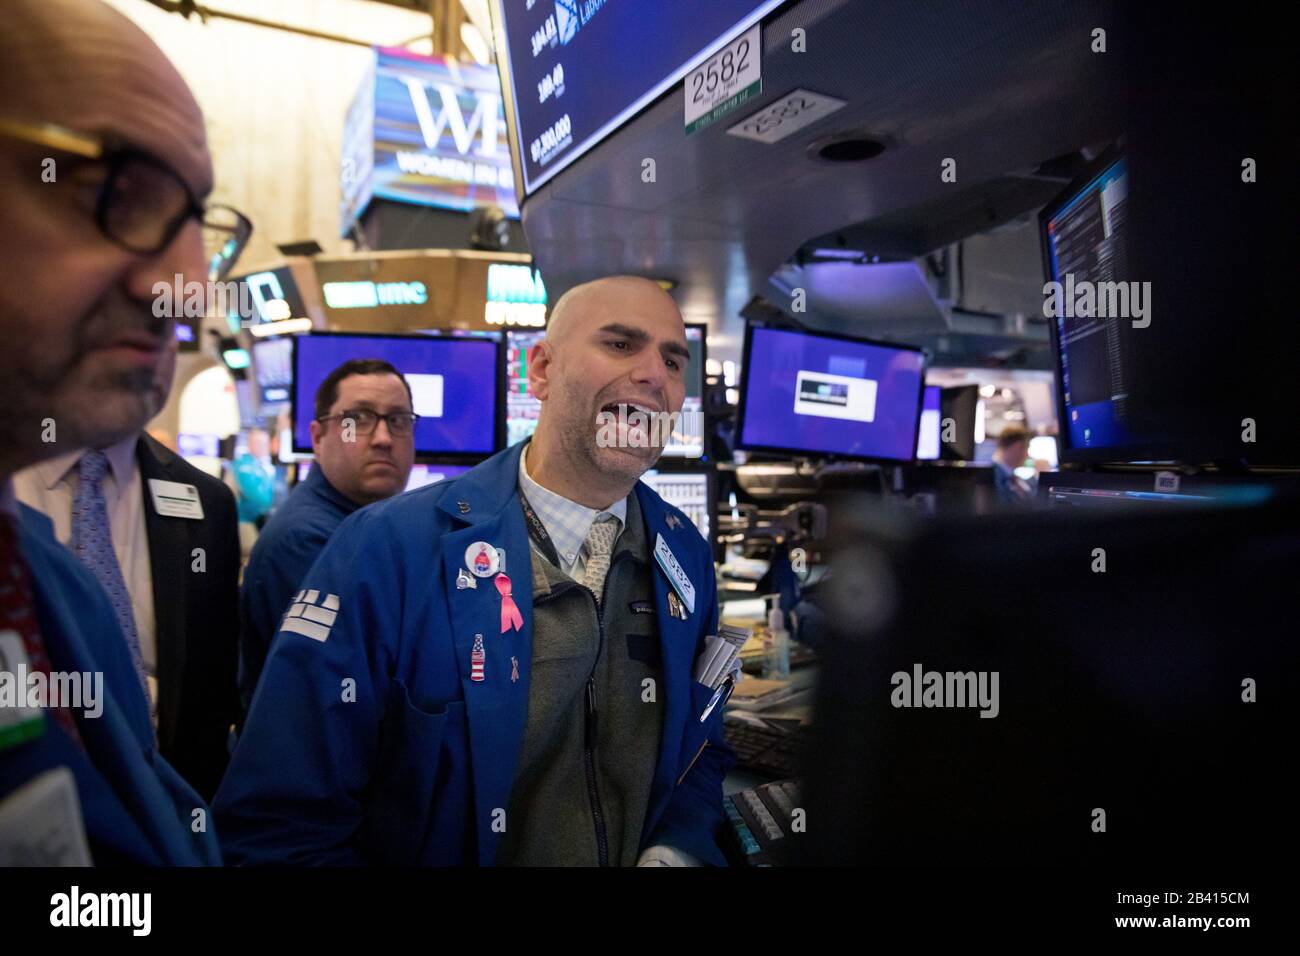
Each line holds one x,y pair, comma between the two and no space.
514,669
482,559
510,616
675,606
673,522
478,660
464,581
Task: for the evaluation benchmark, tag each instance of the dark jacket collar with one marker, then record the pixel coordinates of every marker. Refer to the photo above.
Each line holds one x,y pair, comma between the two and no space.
319,486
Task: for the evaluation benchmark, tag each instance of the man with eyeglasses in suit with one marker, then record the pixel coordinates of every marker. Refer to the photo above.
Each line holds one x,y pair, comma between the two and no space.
363,436
104,170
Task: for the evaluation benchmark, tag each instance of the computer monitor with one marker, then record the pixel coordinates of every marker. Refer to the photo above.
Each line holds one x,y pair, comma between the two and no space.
690,490
456,383
687,440
522,407
273,373
960,406
927,436
1083,235
806,393
421,475
1056,688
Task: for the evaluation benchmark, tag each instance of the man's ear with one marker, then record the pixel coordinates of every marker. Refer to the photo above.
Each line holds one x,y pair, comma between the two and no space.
317,432
539,370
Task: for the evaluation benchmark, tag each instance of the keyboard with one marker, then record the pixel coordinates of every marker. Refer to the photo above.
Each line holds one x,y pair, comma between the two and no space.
765,822
764,749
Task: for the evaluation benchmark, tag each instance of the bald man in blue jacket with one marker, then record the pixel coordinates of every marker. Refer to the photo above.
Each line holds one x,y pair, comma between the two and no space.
498,669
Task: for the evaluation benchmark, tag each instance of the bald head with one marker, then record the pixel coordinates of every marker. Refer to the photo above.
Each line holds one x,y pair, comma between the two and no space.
83,65
88,349
606,299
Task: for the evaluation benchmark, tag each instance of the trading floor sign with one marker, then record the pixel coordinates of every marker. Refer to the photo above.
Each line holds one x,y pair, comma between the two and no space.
426,130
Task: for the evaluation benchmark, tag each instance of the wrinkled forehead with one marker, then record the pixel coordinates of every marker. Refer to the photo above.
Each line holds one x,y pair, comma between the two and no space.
81,64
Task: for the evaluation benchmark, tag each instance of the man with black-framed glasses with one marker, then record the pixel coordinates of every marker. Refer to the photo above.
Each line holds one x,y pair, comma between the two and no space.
104,168
363,436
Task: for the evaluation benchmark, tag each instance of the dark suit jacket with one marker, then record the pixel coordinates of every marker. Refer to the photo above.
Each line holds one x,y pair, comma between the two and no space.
196,619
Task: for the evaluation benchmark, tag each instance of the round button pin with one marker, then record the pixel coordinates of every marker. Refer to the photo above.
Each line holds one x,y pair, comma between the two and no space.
482,559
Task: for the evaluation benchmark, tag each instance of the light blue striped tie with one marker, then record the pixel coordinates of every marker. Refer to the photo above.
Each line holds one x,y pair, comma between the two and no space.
92,540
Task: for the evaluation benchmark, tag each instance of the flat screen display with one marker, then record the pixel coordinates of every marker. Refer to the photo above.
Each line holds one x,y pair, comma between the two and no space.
454,381
579,69
809,393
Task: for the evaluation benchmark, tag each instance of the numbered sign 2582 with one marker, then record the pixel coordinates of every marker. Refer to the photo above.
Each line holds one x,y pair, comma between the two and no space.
725,80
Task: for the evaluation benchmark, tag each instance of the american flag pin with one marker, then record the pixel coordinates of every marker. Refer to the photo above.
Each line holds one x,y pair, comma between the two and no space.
477,660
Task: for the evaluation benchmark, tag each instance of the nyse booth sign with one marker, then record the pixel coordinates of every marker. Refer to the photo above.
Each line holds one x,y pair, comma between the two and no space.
427,130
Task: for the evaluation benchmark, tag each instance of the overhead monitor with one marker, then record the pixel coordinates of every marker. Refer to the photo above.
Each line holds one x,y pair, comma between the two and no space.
455,382
576,70
806,393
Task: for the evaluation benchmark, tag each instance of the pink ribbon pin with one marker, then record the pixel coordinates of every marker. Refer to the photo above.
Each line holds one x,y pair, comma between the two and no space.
510,616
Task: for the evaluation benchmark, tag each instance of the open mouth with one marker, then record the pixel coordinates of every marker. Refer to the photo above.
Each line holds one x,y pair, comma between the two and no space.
624,409
634,425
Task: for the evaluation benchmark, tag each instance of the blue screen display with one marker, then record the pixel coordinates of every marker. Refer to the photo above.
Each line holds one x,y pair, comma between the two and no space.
831,396
453,382
580,68
1085,243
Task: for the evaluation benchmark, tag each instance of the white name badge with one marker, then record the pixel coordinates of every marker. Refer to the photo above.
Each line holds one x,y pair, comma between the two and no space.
41,824
18,722
676,576
174,499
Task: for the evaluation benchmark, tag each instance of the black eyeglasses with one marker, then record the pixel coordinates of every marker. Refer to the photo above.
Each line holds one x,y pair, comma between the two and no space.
143,203
400,424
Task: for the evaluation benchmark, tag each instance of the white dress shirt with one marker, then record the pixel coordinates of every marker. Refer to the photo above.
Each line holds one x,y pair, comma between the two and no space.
50,488
566,521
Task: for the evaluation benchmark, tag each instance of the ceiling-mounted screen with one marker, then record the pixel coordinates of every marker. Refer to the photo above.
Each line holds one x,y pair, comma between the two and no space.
579,69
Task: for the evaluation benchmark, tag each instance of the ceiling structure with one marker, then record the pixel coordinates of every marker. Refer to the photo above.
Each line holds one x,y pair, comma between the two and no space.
1011,91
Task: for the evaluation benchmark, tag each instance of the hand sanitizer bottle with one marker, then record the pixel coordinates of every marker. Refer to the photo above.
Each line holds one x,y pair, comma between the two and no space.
778,647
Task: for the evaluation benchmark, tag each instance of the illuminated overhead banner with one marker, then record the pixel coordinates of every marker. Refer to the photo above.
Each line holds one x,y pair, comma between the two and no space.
429,131
431,289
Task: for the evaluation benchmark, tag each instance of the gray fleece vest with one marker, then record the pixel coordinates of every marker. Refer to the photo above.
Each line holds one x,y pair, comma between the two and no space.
595,715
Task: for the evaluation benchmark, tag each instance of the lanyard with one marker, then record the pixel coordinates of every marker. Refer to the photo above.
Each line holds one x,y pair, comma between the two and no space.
537,531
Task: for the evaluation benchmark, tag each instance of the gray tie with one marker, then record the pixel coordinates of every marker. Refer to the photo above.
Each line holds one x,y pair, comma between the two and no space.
599,545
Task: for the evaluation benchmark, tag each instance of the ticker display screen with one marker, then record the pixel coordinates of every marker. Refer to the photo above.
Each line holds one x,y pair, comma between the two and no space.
579,69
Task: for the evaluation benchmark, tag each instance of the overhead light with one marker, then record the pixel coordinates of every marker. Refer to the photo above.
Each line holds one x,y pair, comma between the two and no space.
474,42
